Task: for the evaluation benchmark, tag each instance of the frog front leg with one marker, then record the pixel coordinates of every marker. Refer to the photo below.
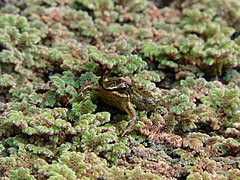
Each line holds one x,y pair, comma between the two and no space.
128,107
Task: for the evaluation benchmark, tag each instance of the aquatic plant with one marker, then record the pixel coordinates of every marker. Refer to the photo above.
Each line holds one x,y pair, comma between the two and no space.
181,55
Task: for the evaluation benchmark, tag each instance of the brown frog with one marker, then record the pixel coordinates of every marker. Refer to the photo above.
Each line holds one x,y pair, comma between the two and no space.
121,94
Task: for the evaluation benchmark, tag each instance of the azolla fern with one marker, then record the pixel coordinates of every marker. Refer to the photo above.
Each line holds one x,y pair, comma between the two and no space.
119,89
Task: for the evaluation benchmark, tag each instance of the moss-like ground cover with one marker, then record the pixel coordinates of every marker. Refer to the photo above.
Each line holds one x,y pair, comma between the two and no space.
185,53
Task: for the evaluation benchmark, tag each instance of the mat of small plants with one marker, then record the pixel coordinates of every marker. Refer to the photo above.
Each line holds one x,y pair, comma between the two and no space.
120,89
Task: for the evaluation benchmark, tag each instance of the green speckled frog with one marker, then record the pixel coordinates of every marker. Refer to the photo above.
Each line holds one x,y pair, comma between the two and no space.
121,94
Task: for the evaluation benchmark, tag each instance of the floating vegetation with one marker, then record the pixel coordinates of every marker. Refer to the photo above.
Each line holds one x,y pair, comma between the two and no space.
168,70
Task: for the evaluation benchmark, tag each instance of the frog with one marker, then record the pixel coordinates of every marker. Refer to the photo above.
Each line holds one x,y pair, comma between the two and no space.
121,93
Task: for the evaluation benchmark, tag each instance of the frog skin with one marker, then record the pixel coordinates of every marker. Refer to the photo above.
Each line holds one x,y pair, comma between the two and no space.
121,94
